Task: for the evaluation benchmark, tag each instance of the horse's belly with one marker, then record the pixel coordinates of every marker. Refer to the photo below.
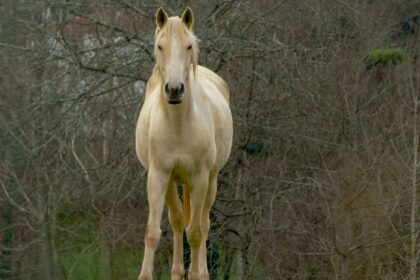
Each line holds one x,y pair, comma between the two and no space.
221,116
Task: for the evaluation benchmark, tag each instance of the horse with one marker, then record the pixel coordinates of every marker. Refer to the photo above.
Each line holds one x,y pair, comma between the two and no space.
183,137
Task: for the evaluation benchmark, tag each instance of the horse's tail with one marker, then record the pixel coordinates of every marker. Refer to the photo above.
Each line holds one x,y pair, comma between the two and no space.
186,202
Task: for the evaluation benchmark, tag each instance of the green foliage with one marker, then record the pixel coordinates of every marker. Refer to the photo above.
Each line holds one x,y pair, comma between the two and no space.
391,56
82,259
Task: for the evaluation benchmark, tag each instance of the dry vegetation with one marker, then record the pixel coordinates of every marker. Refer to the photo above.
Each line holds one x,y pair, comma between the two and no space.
323,178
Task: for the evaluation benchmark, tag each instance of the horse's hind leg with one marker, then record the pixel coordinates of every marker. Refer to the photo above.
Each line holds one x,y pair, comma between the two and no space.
177,223
205,222
157,185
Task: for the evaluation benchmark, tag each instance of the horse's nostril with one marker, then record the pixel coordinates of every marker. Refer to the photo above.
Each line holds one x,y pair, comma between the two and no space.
174,90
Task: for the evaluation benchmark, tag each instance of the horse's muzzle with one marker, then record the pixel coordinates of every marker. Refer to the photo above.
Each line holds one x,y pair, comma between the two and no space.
174,95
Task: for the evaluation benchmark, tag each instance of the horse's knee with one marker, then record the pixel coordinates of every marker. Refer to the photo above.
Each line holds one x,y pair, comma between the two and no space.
205,224
152,237
195,236
177,223
177,272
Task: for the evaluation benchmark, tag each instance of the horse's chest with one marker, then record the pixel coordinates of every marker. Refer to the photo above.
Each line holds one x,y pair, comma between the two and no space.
184,153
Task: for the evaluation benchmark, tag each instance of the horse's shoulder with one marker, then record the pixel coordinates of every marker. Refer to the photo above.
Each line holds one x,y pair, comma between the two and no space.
218,81
153,81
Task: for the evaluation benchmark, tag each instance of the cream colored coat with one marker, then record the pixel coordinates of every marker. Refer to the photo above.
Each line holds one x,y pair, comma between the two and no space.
184,138
187,143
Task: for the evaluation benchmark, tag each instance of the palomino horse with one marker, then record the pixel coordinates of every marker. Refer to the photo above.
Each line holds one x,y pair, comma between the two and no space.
184,136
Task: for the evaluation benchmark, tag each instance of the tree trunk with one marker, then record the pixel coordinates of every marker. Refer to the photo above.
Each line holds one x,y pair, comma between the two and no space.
413,216
105,258
49,257
238,254
105,271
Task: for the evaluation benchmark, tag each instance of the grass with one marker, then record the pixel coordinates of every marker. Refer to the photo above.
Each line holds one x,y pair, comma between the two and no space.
84,265
81,265
82,260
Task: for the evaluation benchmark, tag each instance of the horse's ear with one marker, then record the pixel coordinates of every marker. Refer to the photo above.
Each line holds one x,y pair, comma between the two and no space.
188,17
161,17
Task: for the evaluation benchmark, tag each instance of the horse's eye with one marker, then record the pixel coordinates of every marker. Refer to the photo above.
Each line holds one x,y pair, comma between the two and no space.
160,47
189,47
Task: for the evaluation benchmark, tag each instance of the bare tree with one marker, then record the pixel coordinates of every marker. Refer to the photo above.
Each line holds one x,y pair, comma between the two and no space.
323,176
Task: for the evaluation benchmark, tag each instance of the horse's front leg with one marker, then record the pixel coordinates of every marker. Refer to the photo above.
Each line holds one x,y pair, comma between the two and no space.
177,223
157,185
205,223
195,230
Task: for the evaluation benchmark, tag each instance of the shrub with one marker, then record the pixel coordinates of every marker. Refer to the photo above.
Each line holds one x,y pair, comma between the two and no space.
385,57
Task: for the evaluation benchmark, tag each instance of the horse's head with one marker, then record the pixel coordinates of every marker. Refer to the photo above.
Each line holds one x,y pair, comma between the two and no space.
176,51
